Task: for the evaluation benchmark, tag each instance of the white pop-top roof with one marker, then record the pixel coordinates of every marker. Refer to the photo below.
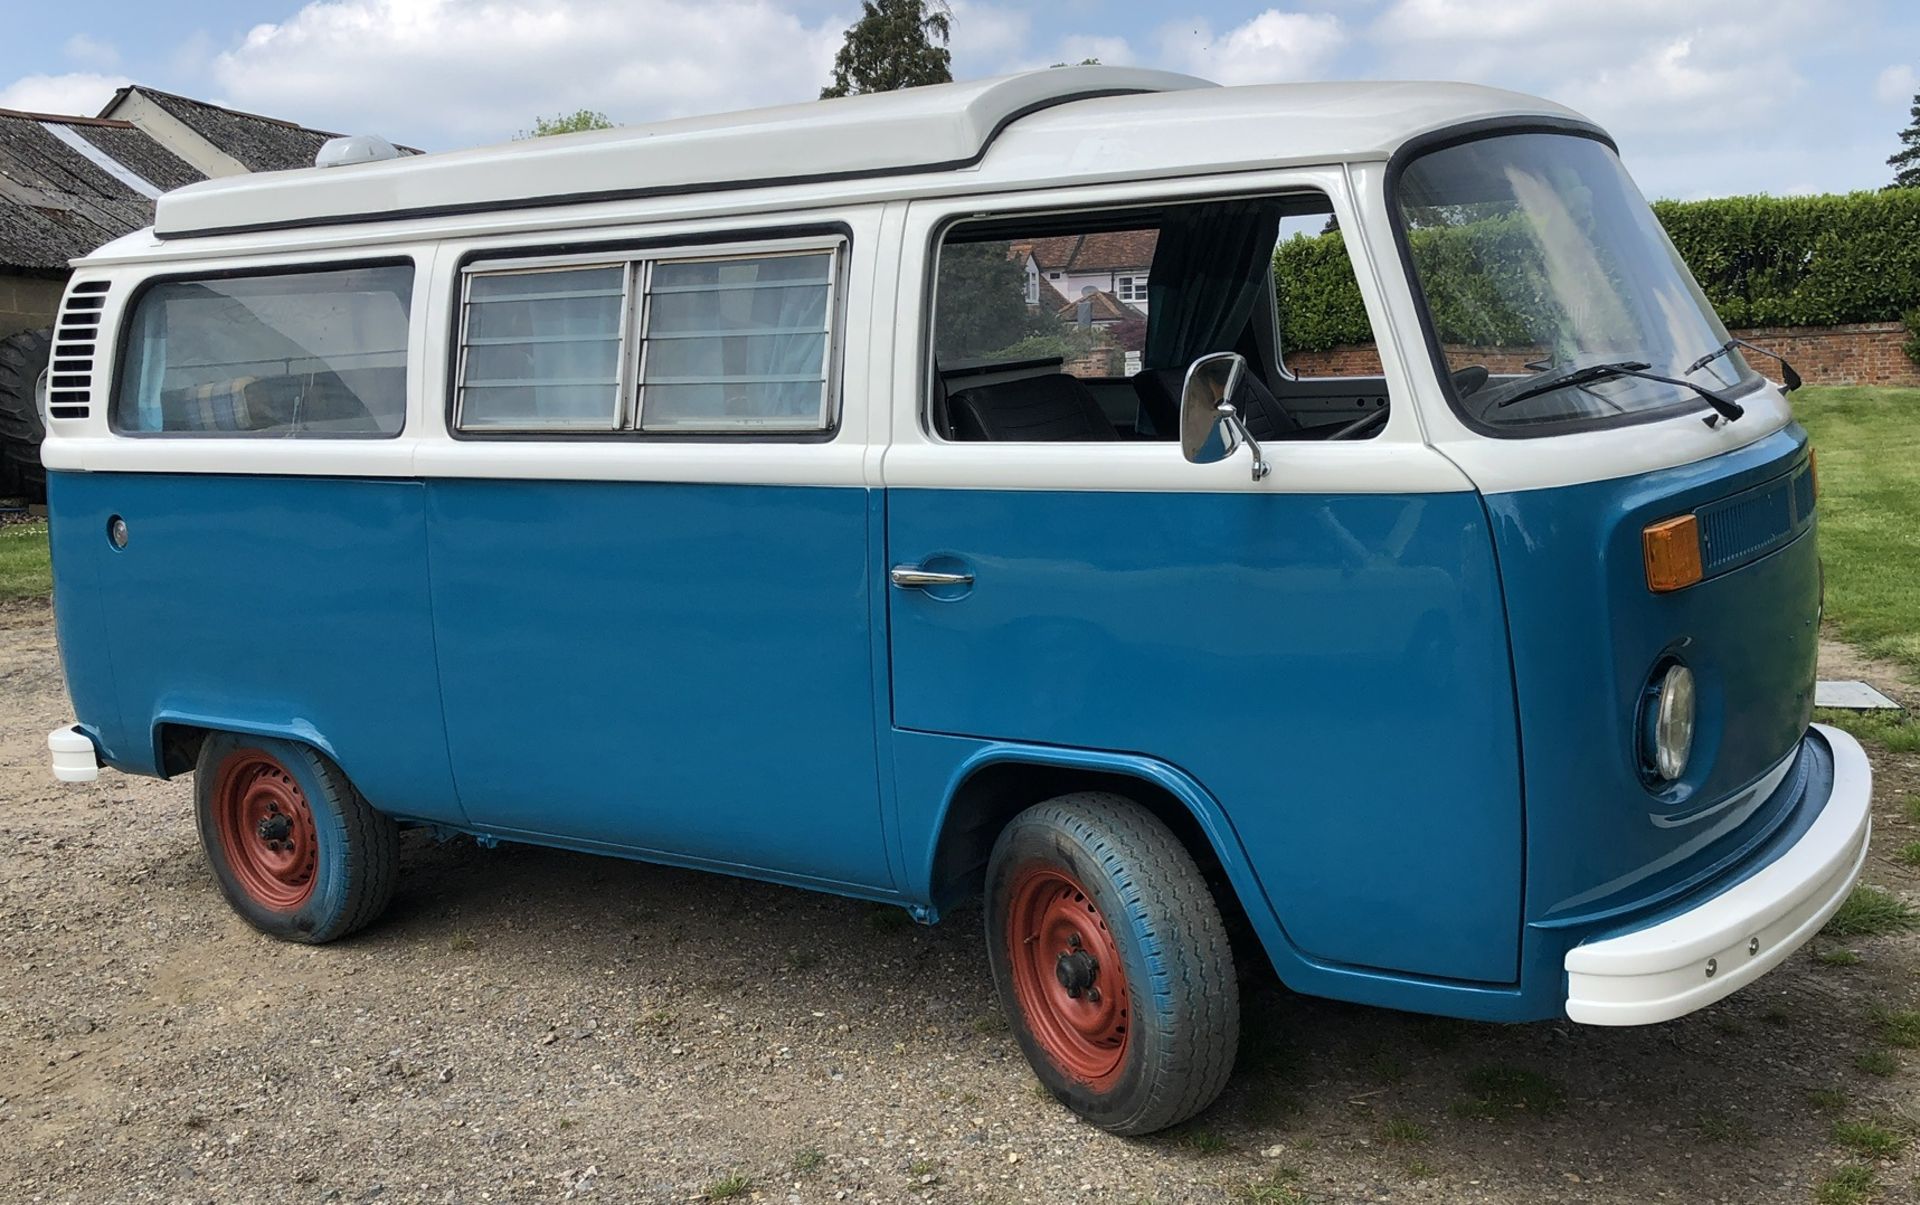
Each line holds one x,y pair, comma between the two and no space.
1053,126
892,133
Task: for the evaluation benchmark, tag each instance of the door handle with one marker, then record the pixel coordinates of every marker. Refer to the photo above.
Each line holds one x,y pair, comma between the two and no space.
912,577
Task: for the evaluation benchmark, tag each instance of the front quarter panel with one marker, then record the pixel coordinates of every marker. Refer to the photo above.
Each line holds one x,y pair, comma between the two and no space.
1587,635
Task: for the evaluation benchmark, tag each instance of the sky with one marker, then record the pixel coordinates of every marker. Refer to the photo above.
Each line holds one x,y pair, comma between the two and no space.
1705,97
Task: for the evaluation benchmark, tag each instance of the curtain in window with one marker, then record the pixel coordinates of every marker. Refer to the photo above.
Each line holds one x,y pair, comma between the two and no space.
737,342
543,348
1209,273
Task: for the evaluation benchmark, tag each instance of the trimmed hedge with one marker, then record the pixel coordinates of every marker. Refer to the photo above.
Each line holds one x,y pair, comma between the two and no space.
1318,298
1763,261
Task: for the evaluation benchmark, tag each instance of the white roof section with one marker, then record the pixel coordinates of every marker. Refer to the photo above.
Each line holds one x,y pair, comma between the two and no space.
1060,127
926,129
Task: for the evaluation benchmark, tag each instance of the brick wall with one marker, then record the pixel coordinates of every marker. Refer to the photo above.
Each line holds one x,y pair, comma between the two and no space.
28,303
1867,353
1864,353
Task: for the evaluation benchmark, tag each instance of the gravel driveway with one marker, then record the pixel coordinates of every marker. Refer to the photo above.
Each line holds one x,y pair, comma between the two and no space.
536,1025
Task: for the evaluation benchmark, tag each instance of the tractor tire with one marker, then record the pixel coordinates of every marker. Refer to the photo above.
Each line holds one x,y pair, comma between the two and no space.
22,357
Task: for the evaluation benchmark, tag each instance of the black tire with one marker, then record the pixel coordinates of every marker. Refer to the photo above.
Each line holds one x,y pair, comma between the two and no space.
22,357
334,871
1150,904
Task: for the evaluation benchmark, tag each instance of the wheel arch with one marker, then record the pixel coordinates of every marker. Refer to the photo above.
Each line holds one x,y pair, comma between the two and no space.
999,781
177,737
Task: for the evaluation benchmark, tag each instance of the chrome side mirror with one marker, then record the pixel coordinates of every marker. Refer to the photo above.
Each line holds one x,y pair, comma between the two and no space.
1211,428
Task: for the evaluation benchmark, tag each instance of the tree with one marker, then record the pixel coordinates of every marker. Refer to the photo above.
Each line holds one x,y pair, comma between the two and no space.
982,301
893,45
568,123
1906,162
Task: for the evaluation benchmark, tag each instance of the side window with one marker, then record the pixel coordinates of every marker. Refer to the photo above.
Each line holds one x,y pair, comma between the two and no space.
1321,319
1080,325
542,348
310,354
734,343
688,343
1080,300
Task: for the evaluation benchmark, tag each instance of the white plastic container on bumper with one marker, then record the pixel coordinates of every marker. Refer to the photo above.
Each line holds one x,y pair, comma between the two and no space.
1688,961
74,757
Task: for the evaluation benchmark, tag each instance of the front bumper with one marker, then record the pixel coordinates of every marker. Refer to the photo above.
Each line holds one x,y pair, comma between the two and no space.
1688,961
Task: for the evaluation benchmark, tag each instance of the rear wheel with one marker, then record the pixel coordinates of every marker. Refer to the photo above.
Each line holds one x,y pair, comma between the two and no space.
1112,961
298,852
22,357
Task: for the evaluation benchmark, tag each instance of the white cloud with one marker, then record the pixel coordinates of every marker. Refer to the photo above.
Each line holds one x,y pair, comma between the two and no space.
1896,86
986,35
457,72
1616,56
81,93
1272,46
1673,82
91,52
1670,86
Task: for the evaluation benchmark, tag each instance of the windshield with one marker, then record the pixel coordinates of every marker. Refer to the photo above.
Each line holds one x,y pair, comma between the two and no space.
1536,256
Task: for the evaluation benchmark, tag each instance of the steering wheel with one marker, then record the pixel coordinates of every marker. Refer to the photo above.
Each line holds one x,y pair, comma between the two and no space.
1470,379
1366,422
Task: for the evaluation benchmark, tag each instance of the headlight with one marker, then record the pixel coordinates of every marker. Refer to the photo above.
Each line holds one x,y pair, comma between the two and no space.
1668,731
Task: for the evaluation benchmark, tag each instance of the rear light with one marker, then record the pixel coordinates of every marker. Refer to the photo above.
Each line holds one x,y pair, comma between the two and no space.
1672,548
1813,468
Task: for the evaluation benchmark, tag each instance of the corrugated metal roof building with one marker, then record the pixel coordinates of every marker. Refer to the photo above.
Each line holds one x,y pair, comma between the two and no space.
68,184
217,140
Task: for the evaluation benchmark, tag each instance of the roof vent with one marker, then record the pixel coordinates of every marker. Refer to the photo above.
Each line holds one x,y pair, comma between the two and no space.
356,148
70,369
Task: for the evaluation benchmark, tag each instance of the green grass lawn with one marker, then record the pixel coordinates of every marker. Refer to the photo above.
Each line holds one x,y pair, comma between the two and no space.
1868,441
24,570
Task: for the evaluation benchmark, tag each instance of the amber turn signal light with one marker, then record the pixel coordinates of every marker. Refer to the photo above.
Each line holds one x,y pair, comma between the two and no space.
1672,549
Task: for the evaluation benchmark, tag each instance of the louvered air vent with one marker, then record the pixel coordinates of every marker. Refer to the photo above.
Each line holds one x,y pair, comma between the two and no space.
70,373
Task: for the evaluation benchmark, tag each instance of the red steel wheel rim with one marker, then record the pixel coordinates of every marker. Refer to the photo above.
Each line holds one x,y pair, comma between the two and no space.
1067,975
266,830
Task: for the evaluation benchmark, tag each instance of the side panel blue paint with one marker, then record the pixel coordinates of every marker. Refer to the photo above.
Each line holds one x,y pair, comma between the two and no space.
78,538
1333,670
290,605
678,668
1587,634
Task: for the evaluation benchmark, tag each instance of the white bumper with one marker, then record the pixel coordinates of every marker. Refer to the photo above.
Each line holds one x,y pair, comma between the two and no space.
74,759
1688,961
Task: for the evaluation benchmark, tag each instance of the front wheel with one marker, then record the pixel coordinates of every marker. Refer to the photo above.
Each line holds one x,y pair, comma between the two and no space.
1112,961
299,854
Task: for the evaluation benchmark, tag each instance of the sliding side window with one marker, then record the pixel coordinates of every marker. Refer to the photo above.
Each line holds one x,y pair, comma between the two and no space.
1080,326
543,348
688,343
307,354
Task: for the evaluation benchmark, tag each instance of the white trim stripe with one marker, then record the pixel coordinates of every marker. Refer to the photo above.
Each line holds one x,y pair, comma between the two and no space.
100,159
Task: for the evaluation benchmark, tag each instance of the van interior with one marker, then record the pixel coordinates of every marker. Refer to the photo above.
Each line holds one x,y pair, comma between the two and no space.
1079,327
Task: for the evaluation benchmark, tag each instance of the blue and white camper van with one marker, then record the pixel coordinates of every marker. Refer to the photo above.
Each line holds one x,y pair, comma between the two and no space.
913,495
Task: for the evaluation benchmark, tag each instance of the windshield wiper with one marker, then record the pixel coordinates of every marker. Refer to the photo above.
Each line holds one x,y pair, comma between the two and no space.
1788,377
1727,408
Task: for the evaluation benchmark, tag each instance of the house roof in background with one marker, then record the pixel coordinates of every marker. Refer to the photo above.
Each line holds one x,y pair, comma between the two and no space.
259,143
69,184
1106,308
1100,252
